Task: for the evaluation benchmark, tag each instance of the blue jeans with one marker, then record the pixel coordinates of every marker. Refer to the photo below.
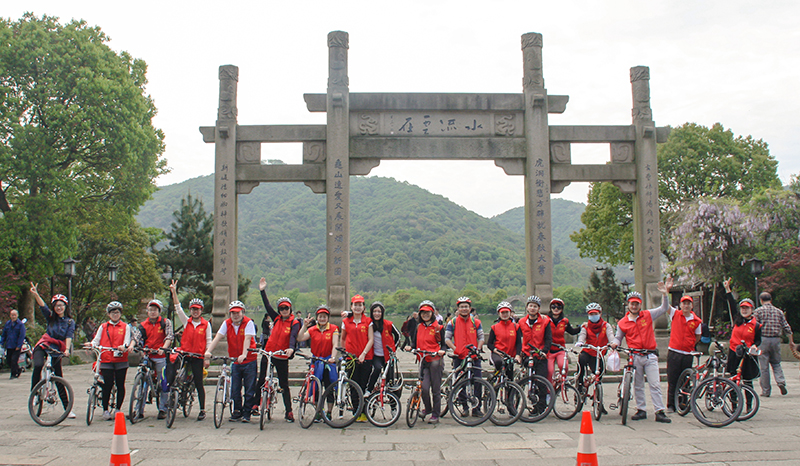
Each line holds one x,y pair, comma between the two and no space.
244,374
160,365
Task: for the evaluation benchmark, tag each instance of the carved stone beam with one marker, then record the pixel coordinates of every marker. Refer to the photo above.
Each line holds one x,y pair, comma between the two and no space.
436,102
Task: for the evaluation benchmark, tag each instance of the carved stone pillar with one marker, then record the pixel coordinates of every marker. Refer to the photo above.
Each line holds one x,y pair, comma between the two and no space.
337,177
537,172
646,231
225,209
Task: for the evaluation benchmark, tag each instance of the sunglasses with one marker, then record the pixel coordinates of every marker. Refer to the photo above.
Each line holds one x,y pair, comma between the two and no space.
556,306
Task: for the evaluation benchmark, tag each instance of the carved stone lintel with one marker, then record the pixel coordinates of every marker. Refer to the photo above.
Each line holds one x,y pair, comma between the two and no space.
558,186
628,187
367,125
317,187
246,187
621,152
511,166
560,152
248,152
363,166
314,152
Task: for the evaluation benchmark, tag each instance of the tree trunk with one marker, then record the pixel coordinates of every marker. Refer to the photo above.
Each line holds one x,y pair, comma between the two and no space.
27,305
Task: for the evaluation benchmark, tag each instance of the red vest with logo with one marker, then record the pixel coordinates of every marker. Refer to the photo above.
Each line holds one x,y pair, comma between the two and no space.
533,334
465,332
155,336
746,332
321,341
113,336
505,336
599,339
387,338
682,336
558,331
639,334
194,338
281,335
357,336
236,340
429,338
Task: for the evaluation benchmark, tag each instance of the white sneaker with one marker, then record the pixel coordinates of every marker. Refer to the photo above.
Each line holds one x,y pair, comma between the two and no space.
71,415
106,415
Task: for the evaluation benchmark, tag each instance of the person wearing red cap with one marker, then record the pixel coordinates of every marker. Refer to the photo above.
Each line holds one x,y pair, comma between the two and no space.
358,338
283,336
504,336
240,333
462,330
637,329
685,332
156,333
428,335
745,328
559,325
324,339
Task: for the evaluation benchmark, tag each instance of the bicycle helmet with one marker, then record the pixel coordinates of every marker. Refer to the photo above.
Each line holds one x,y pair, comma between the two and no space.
634,296
463,299
323,310
535,299
593,307
196,303
286,301
157,303
236,305
427,306
114,305
557,301
59,297
747,303
504,305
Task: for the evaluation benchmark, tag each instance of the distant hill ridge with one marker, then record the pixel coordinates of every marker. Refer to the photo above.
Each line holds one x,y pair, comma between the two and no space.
401,236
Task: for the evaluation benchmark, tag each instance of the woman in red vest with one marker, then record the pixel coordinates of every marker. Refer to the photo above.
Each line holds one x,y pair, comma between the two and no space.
596,332
385,337
428,335
504,336
558,326
113,365
747,329
323,340
358,338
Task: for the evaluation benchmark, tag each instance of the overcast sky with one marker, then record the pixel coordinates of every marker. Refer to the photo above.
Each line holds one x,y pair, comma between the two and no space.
733,62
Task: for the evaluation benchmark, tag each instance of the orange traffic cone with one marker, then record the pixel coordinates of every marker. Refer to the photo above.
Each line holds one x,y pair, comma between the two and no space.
120,454
587,450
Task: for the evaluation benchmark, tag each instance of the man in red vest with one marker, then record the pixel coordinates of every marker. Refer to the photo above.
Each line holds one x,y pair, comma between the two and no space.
240,332
462,330
685,330
156,333
637,328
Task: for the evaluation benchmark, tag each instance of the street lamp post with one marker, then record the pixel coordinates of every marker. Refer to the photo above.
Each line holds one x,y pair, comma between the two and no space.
626,286
756,268
112,276
69,272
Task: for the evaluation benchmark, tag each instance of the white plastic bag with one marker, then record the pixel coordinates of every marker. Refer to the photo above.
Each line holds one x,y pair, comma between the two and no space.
612,363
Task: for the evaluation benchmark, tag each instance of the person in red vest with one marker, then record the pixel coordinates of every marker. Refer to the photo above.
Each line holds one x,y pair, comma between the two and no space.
323,340
385,337
283,337
240,332
685,330
559,325
427,335
358,338
595,332
113,365
196,338
504,336
537,331
156,334
745,328
637,329
462,330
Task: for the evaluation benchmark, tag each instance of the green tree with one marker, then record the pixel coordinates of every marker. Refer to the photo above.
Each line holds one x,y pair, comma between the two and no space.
694,162
77,144
604,290
574,301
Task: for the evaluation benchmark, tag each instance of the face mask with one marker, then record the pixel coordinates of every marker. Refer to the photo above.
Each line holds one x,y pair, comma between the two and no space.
594,318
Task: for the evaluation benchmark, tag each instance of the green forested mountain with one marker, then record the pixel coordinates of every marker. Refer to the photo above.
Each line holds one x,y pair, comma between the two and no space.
401,237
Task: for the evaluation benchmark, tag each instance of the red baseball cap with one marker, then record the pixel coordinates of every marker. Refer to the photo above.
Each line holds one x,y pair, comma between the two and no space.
687,298
357,299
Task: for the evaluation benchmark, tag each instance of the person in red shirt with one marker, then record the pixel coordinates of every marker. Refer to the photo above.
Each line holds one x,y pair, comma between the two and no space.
240,333
745,328
358,338
385,337
462,330
685,330
537,331
427,335
156,334
113,365
559,325
323,340
504,336
596,332
283,336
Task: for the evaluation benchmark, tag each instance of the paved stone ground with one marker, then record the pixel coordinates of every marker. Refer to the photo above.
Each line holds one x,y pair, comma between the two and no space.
770,438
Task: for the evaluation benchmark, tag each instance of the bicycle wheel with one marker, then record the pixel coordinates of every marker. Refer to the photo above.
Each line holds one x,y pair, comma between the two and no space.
597,401
383,411
472,401
751,405
138,398
50,402
510,403
266,406
683,391
625,396
91,405
172,407
219,401
709,400
568,402
412,410
307,402
348,401
188,402
539,398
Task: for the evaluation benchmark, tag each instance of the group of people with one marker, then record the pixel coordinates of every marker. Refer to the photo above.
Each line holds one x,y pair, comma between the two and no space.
371,338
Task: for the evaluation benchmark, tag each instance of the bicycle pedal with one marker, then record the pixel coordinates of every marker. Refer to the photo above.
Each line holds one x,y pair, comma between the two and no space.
612,406
279,390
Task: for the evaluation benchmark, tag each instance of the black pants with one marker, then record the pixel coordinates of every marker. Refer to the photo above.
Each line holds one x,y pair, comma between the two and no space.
360,375
12,356
39,355
196,364
282,369
110,378
498,362
676,363
378,363
586,364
